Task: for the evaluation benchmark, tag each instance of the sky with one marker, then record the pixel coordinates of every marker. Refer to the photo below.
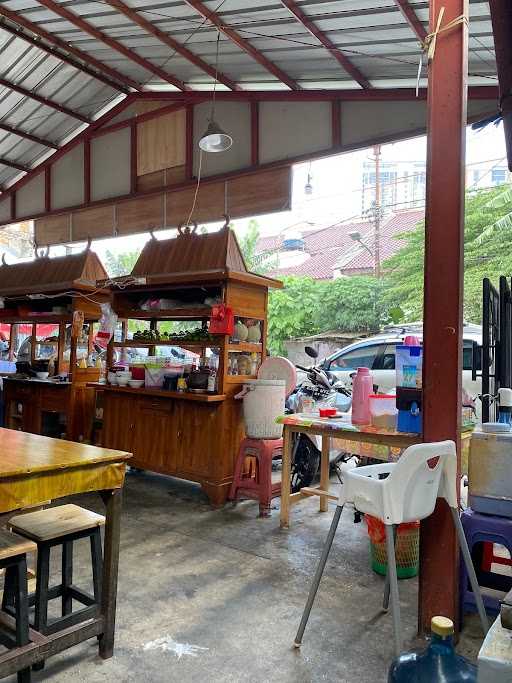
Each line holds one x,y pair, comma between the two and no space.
336,188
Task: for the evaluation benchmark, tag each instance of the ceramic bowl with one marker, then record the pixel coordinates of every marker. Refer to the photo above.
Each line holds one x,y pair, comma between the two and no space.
122,381
136,383
42,375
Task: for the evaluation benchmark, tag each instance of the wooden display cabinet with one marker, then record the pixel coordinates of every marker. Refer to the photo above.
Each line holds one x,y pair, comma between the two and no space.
188,435
52,293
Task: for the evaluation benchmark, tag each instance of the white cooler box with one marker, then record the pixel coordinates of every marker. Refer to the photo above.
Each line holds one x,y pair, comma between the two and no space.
490,473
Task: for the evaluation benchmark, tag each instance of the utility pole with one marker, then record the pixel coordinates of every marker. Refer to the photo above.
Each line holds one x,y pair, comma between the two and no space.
377,213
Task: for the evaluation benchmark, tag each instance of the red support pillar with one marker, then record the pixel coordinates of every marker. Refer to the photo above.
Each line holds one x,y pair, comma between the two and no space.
444,245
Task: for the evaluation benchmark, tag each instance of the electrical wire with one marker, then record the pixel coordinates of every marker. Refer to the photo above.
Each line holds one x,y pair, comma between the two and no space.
193,207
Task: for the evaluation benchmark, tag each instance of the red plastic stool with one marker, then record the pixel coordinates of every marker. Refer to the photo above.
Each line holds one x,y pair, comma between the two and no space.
489,558
253,472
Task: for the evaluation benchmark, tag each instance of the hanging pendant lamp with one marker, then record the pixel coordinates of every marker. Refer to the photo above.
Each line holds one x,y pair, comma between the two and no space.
215,139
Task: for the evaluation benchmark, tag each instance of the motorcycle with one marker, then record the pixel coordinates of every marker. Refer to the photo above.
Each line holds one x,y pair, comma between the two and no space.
318,387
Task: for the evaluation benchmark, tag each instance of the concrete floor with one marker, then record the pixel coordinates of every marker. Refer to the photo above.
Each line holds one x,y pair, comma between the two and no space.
216,595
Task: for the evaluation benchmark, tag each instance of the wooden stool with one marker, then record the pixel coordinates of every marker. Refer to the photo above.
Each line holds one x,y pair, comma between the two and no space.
13,558
256,482
62,525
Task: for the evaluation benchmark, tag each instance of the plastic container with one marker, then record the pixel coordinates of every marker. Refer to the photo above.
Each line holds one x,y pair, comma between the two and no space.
263,403
383,411
362,389
439,663
407,547
409,364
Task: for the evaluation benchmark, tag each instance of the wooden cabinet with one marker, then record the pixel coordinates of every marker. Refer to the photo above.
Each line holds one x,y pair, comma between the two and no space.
119,423
198,437
156,436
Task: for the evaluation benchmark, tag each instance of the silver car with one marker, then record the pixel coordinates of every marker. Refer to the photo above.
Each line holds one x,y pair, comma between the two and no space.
378,354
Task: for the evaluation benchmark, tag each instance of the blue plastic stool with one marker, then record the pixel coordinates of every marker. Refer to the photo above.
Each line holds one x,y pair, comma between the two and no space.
479,528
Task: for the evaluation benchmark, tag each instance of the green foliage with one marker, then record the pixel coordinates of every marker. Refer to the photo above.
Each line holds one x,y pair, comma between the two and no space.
291,312
120,264
306,306
248,241
487,235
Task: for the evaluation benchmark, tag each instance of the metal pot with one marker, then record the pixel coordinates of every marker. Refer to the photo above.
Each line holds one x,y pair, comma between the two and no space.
198,379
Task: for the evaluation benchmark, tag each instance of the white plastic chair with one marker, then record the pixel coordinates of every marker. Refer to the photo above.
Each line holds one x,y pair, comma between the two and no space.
399,492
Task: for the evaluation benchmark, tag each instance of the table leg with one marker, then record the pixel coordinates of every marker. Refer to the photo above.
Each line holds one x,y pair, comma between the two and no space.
112,500
324,471
286,473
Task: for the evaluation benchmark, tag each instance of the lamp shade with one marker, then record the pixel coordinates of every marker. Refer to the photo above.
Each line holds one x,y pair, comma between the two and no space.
215,139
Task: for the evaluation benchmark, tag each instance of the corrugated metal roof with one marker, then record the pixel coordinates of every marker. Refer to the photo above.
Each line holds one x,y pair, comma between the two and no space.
373,34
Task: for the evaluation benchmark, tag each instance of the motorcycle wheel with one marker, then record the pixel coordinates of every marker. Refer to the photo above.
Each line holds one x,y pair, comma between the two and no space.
305,464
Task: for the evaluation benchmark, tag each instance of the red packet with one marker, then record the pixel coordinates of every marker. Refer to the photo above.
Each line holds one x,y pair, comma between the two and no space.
222,320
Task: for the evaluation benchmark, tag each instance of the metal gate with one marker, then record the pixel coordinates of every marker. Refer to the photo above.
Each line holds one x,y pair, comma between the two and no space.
496,351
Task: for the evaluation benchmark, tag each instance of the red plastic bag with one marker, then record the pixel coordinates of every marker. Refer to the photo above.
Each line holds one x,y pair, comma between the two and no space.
222,320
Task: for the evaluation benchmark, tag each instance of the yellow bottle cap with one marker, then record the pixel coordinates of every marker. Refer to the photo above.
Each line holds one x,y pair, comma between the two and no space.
442,626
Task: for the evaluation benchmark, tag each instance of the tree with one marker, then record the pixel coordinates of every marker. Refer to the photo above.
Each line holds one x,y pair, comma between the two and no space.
487,235
248,242
306,307
120,264
291,312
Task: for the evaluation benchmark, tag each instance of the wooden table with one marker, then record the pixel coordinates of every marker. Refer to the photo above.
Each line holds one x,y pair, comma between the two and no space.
362,440
382,445
35,469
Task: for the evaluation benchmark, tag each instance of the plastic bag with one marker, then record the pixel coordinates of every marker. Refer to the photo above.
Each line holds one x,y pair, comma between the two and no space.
108,322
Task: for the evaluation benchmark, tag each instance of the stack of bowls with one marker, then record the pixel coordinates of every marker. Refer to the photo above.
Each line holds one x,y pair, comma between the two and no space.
123,377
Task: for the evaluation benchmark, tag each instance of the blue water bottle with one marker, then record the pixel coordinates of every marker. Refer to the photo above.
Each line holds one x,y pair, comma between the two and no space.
439,663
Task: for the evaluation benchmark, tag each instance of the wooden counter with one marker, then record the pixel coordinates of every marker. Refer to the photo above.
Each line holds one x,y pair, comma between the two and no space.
162,393
190,436
50,408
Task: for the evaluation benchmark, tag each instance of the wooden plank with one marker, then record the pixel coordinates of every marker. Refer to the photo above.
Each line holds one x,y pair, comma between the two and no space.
46,525
12,545
52,229
209,204
324,472
286,472
141,214
259,193
164,178
22,453
161,142
95,222
323,493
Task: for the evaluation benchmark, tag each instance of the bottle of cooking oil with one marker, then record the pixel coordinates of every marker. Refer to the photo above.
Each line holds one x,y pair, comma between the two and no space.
439,663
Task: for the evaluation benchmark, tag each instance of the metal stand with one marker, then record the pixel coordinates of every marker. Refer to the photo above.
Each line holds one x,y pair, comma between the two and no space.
470,569
318,575
393,584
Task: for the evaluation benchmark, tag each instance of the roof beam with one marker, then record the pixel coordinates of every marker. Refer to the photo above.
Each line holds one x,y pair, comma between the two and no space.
501,15
243,44
13,164
338,55
475,92
100,70
28,136
164,38
111,42
43,100
78,139
411,18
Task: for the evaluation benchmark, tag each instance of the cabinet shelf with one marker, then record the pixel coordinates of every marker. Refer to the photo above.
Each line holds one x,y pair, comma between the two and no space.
201,313
133,344
248,347
238,379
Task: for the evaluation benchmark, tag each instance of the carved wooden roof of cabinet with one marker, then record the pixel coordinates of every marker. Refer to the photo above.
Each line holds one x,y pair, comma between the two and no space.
191,252
43,274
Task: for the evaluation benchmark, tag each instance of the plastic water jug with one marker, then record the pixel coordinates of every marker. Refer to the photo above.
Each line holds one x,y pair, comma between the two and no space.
362,387
437,664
